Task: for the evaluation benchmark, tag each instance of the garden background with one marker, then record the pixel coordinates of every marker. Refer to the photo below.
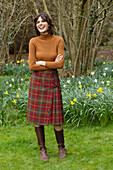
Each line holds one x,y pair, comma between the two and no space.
86,82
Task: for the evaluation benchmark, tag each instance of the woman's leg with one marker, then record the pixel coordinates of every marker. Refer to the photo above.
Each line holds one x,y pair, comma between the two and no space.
60,140
58,127
39,129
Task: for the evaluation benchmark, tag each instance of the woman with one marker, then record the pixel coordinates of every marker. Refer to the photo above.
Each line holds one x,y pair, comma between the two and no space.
46,55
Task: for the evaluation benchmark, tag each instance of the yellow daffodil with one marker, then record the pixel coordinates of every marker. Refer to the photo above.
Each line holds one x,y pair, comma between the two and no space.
103,62
18,95
10,85
6,92
72,103
18,61
80,86
100,90
23,65
22,60
27,61
6,64
75,100
14,101
85,101
70,61
102,56
10,62
88,95
95,95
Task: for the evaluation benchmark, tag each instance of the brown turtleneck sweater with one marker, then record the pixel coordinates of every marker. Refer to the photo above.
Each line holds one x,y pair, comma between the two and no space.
46,48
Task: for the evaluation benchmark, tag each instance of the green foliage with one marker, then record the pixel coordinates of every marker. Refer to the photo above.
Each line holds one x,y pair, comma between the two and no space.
89,99
15,69
86,100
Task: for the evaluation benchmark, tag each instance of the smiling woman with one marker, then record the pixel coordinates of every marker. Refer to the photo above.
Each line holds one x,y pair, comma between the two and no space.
42,25
45,107
42,20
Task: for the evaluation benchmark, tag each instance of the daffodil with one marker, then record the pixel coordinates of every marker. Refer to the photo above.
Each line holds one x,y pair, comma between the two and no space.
10,85
95,95
22,60
10,62
75,100
22,79
23,65
85,101
70,61
27,61
64,85
12,80
88,95
102,56
103,62
19,89
92,73
79,82
18,95
6,92
80,86
6,64
95,80
7,82
104,74
81,90
108,82
18,61
14,101
100,90
68,81
72,103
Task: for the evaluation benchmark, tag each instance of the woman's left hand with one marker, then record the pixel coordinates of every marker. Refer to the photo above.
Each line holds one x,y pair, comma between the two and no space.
59,57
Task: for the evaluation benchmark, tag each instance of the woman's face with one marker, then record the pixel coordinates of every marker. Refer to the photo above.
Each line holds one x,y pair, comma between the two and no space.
42,25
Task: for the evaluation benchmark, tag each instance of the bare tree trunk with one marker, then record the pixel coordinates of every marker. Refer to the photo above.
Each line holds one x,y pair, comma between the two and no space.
22,43
98,40
15,47
45,8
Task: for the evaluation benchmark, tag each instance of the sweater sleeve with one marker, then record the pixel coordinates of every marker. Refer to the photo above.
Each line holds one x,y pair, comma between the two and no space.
32,59
58,64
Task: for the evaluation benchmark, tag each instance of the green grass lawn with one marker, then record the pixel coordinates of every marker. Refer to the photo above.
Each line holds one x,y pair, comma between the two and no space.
88,148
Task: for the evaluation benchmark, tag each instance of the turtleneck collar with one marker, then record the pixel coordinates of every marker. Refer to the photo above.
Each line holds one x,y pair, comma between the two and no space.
42,36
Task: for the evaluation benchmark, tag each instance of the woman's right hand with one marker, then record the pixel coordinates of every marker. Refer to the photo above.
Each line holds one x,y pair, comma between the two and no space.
59,57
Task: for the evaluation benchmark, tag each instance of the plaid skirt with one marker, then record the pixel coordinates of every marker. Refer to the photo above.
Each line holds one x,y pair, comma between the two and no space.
45,99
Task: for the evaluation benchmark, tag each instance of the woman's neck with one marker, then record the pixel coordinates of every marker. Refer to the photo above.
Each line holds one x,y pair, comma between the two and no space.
45,36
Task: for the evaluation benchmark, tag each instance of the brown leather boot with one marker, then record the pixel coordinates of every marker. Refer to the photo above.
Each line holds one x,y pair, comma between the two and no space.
60,140
41,141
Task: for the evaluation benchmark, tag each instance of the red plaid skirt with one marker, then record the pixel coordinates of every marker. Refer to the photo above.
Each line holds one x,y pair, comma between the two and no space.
45,99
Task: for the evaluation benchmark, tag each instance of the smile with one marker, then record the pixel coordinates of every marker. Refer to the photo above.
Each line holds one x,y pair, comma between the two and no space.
42,27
